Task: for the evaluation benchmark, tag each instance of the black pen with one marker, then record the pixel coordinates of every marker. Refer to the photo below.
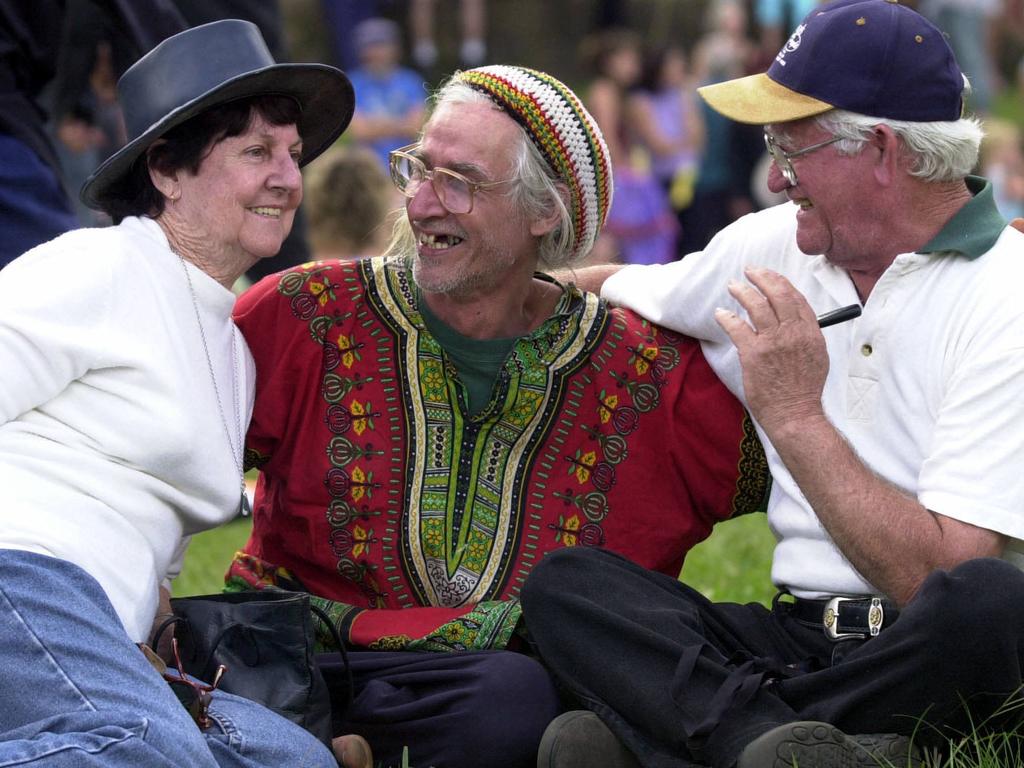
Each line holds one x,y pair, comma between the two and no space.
840,315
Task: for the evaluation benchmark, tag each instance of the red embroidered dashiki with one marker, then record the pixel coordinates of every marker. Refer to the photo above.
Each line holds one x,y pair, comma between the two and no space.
377,491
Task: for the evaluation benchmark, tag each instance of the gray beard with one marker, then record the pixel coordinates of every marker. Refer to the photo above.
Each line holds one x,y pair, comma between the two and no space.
466,285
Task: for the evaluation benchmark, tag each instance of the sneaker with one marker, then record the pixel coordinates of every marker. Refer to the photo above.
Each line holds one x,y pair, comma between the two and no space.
820,745
579,739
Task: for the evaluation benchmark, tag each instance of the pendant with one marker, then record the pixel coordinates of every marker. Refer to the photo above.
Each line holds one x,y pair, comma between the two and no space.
244,508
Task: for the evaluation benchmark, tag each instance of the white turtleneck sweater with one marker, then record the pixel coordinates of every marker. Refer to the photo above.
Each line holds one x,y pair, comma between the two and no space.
112,447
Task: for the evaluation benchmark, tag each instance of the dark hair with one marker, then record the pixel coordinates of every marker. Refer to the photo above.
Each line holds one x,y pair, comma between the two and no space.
597,49
185,146
654,64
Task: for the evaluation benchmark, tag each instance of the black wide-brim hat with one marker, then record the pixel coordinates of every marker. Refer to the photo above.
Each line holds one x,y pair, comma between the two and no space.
209,65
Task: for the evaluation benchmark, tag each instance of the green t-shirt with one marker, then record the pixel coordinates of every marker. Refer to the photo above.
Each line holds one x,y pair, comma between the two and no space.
477,361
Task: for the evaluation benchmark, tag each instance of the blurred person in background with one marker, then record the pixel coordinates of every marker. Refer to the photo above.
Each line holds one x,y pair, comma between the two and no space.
430,424
970,26
347,199
123,407
1002,163
389,97
667,120
472,30
773,20
722,192
90,128
341,18
641,227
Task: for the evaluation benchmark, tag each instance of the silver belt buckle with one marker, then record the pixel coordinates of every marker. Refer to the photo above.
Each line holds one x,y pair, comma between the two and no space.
830,619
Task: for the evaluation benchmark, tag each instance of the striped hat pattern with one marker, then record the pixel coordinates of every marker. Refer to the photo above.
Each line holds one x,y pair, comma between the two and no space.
565,133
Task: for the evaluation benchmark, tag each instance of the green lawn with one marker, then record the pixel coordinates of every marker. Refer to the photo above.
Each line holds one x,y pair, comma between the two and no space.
734,563
208,557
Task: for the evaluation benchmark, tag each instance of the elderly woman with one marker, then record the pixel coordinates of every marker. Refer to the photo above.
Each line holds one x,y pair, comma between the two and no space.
125,396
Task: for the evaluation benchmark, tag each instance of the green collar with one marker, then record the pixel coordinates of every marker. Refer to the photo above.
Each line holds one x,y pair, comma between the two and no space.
974,229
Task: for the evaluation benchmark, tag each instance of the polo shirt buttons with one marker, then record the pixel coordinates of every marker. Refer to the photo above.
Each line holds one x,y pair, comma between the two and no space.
866,350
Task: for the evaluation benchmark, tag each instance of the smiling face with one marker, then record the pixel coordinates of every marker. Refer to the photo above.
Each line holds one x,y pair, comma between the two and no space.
834,194
239,207
462,255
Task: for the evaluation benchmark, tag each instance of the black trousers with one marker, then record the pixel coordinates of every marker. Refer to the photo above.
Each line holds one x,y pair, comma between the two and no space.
452,710
685,681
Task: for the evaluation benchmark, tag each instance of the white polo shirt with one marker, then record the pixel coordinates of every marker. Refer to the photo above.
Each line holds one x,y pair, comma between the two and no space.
927,385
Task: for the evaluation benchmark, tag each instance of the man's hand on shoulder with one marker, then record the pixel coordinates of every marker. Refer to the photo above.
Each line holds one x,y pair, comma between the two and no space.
588,279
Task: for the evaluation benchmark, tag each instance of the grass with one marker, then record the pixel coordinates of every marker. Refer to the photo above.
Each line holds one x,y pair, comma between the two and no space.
734,563
208,558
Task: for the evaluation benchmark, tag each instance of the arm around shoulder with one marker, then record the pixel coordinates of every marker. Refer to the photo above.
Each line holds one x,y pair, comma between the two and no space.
589,279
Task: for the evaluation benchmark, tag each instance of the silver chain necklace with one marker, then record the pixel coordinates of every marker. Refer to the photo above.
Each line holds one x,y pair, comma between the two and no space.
236,454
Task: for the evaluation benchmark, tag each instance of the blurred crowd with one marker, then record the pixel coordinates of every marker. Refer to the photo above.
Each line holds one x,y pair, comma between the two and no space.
682,172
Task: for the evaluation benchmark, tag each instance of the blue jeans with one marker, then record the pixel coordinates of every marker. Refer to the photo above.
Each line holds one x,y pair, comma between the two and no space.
77,692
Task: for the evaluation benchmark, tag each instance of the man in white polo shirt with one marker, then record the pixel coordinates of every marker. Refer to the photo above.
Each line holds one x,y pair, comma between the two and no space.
895,440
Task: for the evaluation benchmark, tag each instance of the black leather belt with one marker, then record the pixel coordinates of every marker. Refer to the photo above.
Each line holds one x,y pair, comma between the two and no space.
842,617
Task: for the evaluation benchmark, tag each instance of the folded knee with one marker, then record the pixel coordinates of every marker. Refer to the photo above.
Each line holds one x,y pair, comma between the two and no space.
976,599
569,570
514,700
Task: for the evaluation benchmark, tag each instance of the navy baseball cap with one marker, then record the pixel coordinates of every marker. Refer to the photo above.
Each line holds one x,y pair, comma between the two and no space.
874,57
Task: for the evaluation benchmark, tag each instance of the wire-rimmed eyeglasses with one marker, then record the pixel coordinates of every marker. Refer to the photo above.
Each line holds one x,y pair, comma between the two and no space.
453,189
784,159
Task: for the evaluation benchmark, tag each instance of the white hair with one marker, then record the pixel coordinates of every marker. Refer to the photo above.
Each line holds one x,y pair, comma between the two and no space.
940,151
537,191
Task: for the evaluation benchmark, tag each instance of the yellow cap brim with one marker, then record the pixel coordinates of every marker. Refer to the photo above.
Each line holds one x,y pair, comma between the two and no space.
759,100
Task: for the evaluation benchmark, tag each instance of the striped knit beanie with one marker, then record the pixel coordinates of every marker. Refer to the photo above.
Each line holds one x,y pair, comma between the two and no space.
564,132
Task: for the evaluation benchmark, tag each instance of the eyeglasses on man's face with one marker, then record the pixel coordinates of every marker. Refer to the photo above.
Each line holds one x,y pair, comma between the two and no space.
784,159
453,189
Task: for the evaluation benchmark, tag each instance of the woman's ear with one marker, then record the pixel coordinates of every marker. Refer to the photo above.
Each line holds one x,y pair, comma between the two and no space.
166,183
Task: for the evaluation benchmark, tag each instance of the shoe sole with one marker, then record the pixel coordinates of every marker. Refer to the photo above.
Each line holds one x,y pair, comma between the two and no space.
819,745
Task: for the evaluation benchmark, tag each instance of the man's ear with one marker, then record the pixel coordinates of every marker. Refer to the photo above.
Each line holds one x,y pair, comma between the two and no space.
884,140
541,226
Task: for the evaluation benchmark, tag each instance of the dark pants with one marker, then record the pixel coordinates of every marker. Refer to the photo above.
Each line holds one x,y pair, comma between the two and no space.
682,680
452,710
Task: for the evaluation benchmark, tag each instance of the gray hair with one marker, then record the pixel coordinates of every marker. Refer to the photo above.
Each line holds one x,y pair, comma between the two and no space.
537,191
940,151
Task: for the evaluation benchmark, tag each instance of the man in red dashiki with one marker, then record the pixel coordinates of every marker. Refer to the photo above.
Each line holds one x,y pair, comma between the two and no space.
430,423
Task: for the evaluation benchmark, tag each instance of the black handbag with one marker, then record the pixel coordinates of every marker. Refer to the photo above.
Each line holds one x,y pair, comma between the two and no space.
266,641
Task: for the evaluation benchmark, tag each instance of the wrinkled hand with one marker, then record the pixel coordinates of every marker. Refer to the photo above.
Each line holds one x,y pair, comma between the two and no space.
782,351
